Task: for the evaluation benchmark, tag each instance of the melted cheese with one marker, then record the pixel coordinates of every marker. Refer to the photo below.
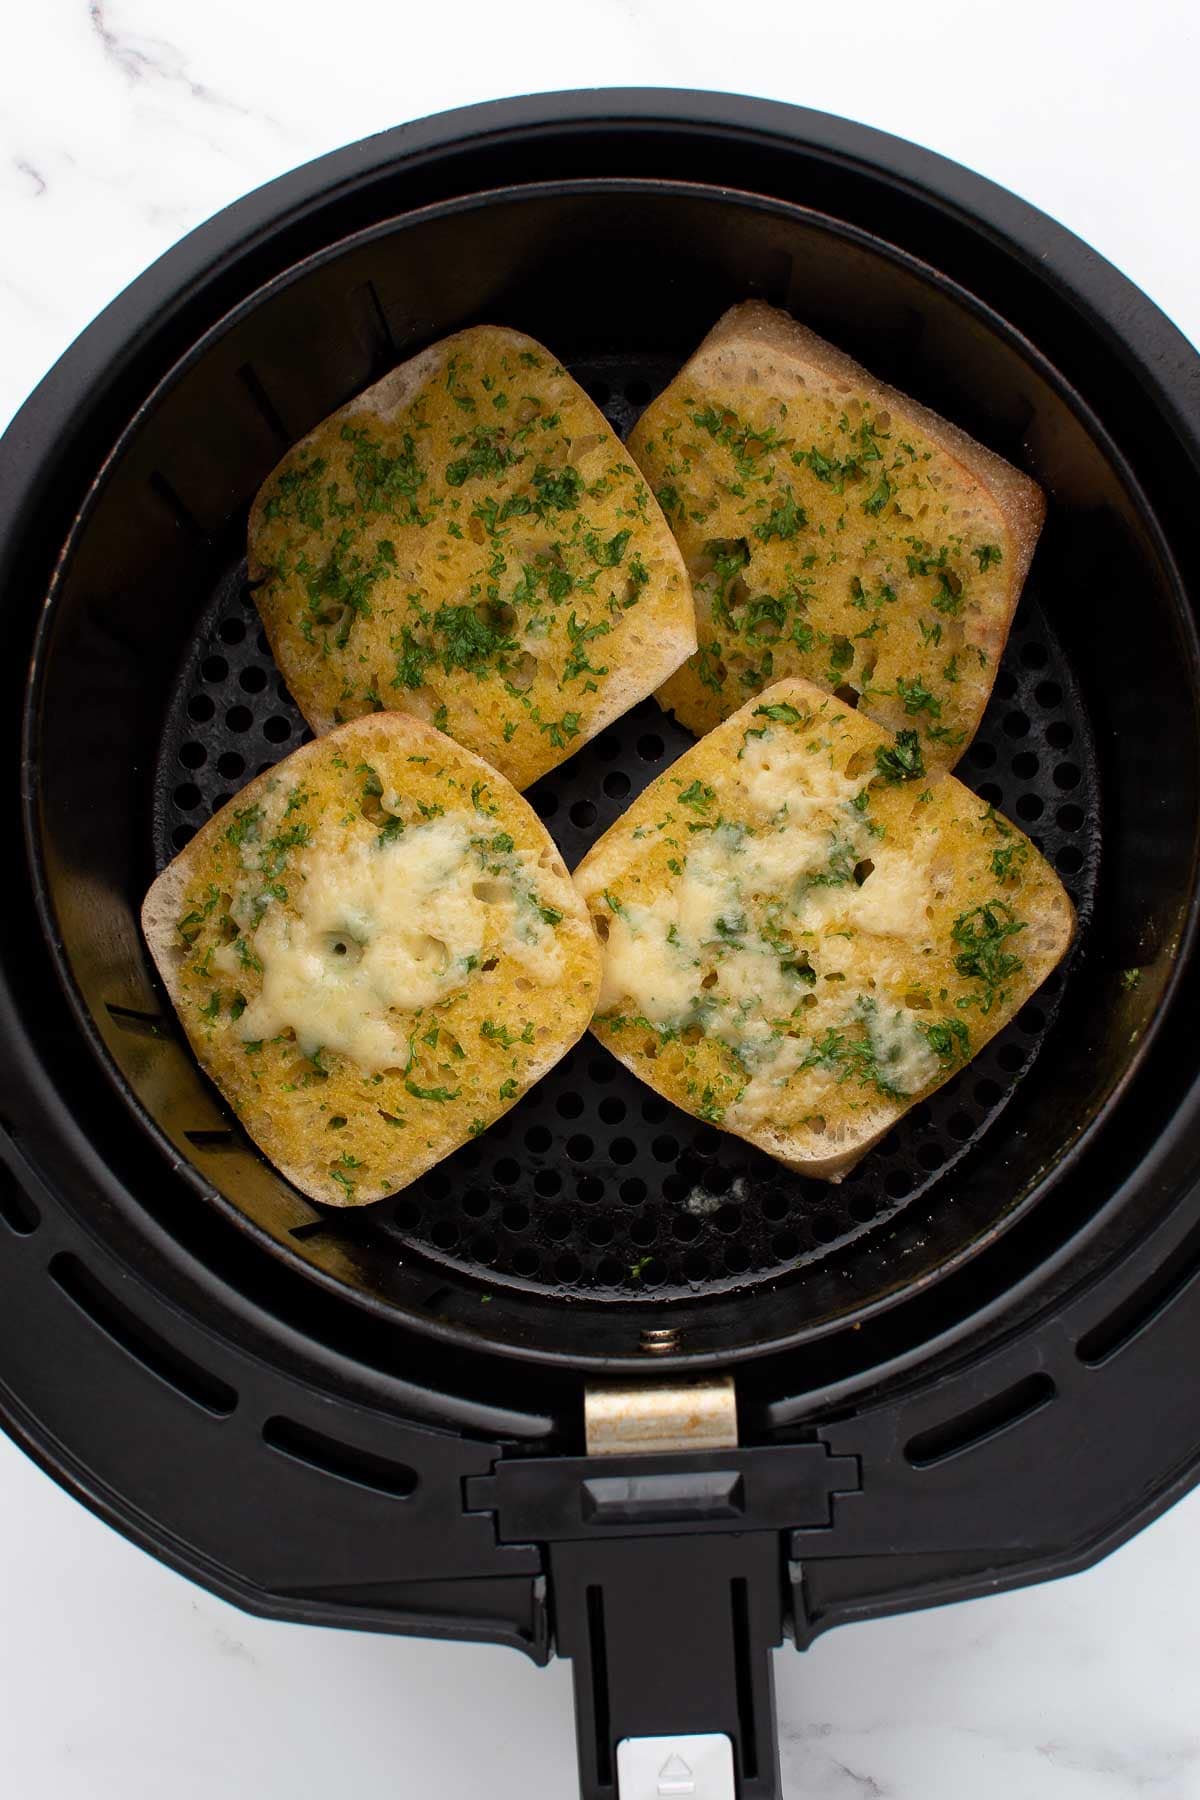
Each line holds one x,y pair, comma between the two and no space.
656,955
542,954
759,1102
714,948
774,776
892,901
375,927
902,1052
641,965
902,1056
777,860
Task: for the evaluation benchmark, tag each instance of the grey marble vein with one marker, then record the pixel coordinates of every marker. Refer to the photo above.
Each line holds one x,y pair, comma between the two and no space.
1154,1766
40,184
144,59
865,1786
814,1741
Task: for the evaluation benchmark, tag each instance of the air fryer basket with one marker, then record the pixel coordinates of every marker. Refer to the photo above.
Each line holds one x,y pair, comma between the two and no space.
592,1191
967,1367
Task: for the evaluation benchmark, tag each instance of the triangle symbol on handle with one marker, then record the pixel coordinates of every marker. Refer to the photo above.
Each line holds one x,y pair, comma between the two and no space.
675,1778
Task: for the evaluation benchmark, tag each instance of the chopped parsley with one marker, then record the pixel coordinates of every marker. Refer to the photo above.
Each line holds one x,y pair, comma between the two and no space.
781,711
246,822
339,590
949,1040
917,697
783,521
493,514
381,480
560,731
949,598
981,935
1009,858
467,641
849,1059
697,794
190,924
440,1094
709,666
487,455
557,490
297,495
610,553
903,761
745,444
879,496
501,1035
580,636
1007,861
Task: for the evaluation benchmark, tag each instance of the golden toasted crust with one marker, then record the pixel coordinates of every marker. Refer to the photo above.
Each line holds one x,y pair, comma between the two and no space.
468,541
262,918
836,529
805,932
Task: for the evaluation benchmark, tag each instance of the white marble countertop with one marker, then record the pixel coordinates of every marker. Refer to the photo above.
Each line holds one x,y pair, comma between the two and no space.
122,124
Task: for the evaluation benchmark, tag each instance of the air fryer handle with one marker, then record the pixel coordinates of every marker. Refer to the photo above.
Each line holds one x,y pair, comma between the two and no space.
670,1637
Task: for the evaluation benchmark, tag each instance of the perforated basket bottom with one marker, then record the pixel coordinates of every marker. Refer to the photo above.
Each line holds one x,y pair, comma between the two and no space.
593,1184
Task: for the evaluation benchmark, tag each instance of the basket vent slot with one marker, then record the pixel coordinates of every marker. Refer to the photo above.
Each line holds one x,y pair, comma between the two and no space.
346,1462
163,492
16,1208
598,1649
743,1664
138,1024
198,1385
314,1228
1143,1306
969,1429
371,306
264,405
214,1140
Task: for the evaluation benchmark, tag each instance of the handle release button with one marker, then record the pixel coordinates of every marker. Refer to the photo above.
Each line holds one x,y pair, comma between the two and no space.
695,1767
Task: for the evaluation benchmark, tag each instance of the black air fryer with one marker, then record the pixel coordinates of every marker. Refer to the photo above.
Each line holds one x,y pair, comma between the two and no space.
606,1383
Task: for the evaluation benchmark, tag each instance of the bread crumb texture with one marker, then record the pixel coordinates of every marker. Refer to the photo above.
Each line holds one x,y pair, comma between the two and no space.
805,930
469,542
374,950
833,529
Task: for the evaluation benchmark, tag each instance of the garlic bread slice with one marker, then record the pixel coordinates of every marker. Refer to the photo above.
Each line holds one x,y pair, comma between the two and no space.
374,951
805,931
835,529
469,542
